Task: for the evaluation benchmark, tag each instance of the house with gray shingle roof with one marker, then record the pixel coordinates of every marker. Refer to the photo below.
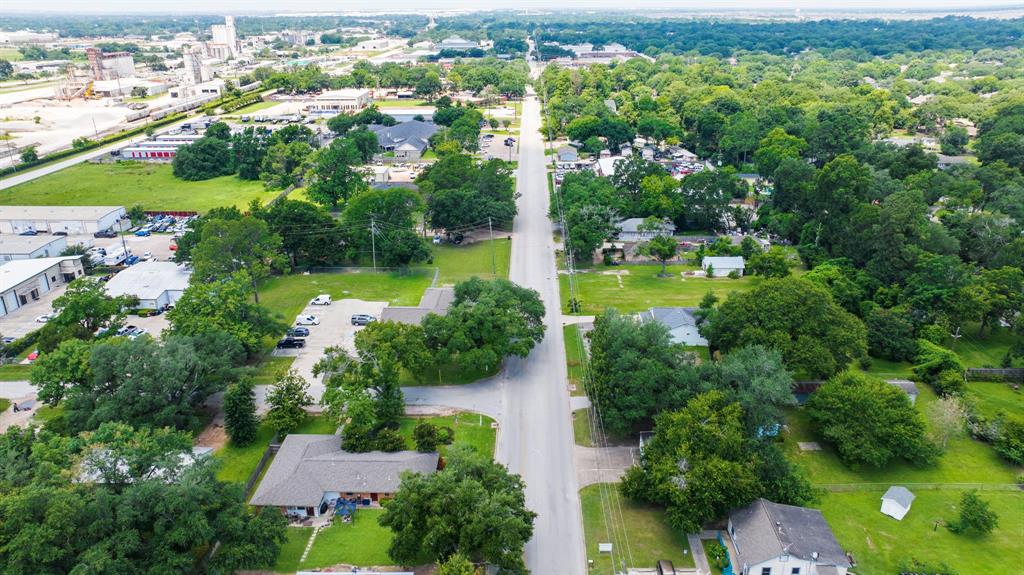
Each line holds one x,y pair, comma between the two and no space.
311,472
680,321
773,539
408,140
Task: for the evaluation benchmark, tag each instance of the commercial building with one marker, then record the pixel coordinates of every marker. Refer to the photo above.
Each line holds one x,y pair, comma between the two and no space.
457,43
25,281
407,140
344,101
311,474
30,247
110,65
156,284
70,219
160,148
120,87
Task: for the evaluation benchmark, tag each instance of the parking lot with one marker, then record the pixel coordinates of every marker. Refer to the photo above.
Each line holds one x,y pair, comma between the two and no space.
157,244
23,320
335,329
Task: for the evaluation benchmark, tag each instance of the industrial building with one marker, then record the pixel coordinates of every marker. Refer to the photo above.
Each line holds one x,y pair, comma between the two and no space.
25,281
156,284
160,148
69,219
224,36
344,101
120,87
30,247
110,65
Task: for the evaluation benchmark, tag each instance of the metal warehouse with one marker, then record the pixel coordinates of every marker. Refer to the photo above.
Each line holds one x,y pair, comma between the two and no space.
69,219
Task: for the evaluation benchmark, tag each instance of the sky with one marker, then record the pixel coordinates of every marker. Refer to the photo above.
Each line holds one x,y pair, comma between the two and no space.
286,6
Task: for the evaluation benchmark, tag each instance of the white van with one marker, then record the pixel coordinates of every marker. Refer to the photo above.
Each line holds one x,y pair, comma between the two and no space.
322,299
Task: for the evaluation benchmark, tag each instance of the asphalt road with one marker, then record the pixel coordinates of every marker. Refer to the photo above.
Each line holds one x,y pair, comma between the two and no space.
536,438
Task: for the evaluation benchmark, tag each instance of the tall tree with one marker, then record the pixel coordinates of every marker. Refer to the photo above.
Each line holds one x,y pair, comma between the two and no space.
334,175
228,247
287,399
240,419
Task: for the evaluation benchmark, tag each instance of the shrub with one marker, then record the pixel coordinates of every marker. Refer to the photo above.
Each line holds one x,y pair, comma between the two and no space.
1009,439
717,554
934,363
975,515
949,382
916,567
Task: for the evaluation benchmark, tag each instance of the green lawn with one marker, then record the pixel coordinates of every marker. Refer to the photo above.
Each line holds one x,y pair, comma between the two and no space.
470,429
4,404
645,527
993,397
270,368
581,427
256,107
45,413
133,183
887,369
965,460
10,54
642,288
291,551
364,543
14,372
404,103
879,543
237,463
289,294
986,351
449,374
458,263
574,357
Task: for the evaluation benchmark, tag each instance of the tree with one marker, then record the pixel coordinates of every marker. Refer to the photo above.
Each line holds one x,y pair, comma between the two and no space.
284,164
426,437
429,85
939,367
756,378
365,141
218,130
309,235
976,515
770,264
776,146
249,148
203,159
240,419
65,367
457,564
589,225
707,194
29,155
85,303
6,69
473,507
953,140
461,192
487,321
795,316
376,217
868,421
947,419
636,371
334,176
229,247
661,248
287,398
1009,440
890,334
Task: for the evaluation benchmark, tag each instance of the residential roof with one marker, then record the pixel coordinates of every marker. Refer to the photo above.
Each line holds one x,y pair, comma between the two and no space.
17,272
723,262
72,213
671,317
149,280
412,133
906,385
765,530
307,466
25,244
901,495
434,300
632,225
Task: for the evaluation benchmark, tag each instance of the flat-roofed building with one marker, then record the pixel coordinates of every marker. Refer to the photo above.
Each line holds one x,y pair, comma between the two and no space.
68,219
25,281
30,247
344,101
156,284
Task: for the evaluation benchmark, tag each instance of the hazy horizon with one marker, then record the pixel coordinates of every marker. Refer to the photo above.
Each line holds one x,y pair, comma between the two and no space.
300,6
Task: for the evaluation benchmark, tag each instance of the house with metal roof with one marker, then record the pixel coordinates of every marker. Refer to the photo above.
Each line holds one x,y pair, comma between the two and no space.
680,321
408,140
722,266
310,473
773,539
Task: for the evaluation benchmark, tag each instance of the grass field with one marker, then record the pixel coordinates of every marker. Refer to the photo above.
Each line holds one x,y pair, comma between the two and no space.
642,288
581,428
449,374
287,295
471,429
10,54
256,107
270,368
879,543
4,404
458,263
406,103
14,372
133,183
574,357
364,543
291,551
991,398
646,528
236,463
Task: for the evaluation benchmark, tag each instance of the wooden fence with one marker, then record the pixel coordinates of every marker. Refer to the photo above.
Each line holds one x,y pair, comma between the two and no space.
269,452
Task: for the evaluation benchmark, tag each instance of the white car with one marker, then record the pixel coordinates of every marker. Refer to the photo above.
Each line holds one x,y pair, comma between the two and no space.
46,317
147,256
322,299
138,332
307,320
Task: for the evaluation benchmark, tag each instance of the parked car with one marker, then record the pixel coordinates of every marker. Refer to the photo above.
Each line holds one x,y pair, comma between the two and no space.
307,320
60,233
362,319
298,332
291,343
322,299
143,233
46,317
33,356
147,256
125,330
173,247
29,233
138,332
132,260
7,340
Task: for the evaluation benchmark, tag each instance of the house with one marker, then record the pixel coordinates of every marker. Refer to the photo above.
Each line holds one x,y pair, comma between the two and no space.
773,539
907,386
344,101
25,281
310,473
722,266
434,300
897,501
680,321
640,230
70,219
30,247
947,162
408,140
156,284
568,154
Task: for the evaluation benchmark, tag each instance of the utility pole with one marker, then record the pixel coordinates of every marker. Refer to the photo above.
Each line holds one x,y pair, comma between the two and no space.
494,264
373,243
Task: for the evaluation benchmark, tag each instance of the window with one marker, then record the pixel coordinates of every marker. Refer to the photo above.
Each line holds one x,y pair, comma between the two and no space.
766,571
796,571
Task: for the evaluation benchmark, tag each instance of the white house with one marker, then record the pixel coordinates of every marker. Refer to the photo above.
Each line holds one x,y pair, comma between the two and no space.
70,219
897,501
30,247
680,321
722,266
156,284
25,281
773,539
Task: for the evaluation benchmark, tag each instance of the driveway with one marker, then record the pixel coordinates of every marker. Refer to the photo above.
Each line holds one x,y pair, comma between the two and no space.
23,320
335,329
